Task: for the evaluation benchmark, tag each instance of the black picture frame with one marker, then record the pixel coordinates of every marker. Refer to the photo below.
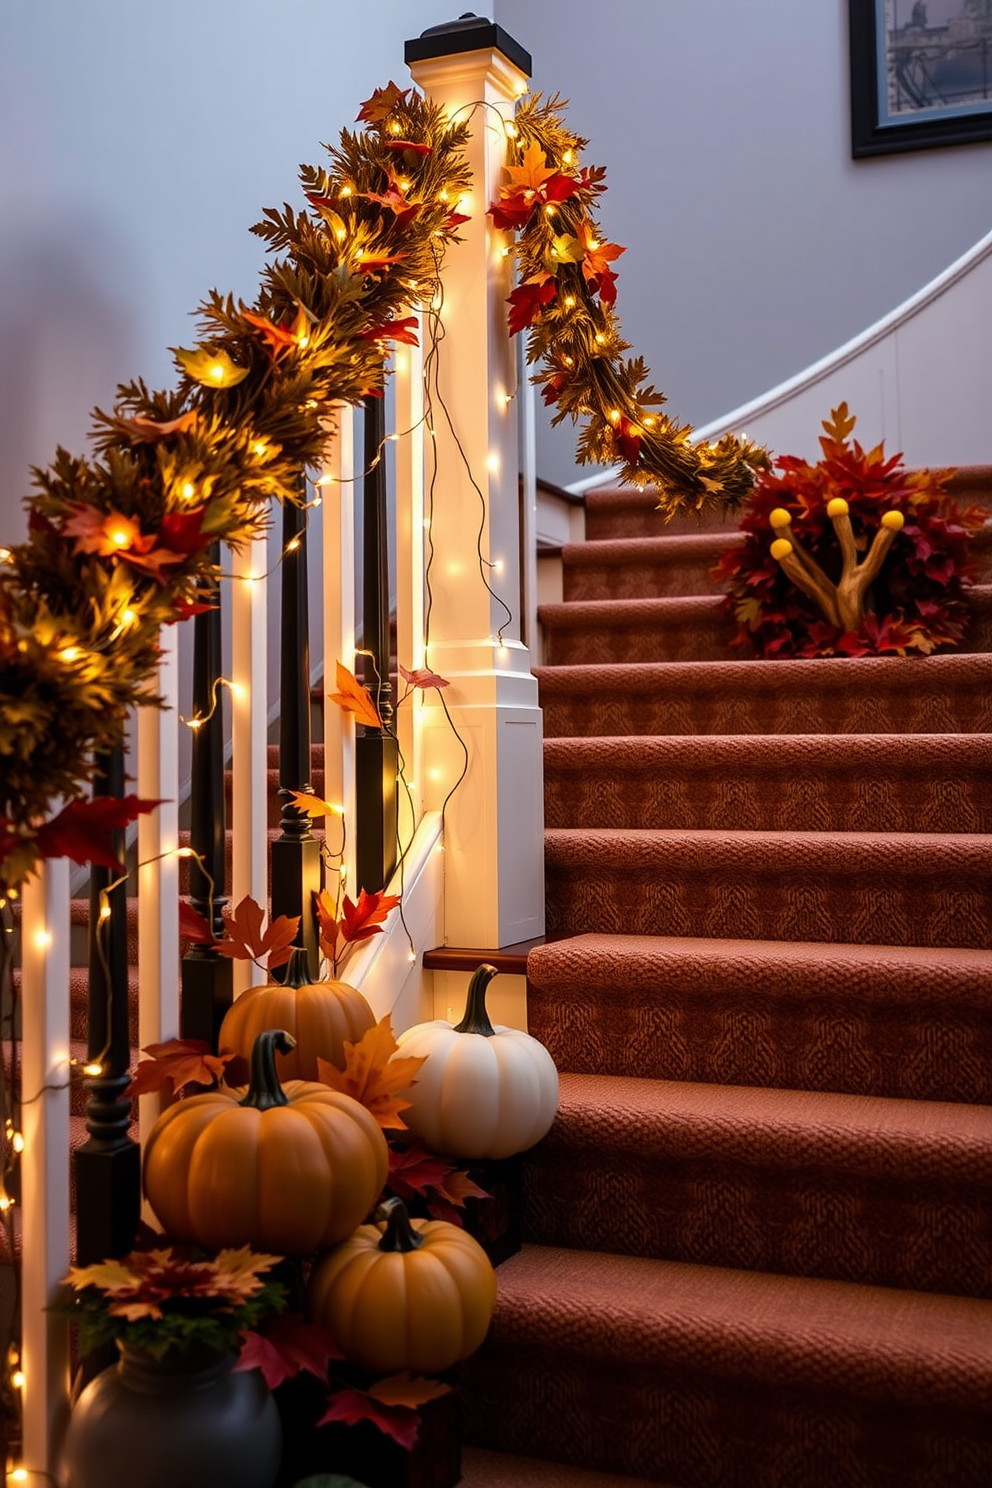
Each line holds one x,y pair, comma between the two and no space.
901,106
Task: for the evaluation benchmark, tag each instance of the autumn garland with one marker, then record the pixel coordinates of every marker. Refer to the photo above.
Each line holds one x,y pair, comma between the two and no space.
120,543
565,301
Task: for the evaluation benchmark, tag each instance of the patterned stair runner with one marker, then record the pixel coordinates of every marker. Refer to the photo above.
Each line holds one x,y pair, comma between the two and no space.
759,1235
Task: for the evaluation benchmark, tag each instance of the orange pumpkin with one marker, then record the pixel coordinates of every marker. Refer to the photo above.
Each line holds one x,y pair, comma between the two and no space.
418,1294
279,1170
320,1016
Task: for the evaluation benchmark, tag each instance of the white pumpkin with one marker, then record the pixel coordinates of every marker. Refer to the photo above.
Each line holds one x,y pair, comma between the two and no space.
484,1091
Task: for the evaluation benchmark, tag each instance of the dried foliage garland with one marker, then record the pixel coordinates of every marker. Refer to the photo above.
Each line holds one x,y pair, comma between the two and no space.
120,542
565,301
918,600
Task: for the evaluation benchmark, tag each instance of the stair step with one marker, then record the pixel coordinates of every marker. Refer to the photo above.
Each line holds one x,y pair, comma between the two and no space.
613,512
843,695
629,512
692,627
680,563
826,782
885,1192
482,1469
639,568
900,1021
603,631
732,1379
857,887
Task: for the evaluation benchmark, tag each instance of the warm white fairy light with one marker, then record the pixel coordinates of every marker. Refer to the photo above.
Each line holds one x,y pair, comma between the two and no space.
43,939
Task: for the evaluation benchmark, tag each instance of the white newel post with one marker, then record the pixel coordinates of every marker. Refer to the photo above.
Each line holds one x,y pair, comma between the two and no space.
493,839
45,1163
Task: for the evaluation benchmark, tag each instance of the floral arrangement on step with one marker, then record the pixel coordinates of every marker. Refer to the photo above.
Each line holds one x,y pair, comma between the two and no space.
565,301
853,555
120,542
170,1297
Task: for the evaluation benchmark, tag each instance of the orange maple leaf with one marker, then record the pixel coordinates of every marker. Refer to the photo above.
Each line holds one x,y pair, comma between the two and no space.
312,806
359,921
533,170
371,1076
407,1389
382,103
354,698
246,941
176,1063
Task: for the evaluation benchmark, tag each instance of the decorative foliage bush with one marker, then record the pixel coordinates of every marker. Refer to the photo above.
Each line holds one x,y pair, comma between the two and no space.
917,603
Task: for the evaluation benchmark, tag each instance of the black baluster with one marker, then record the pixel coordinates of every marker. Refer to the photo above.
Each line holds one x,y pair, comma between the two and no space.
108,1166
207,978
376,756
296,852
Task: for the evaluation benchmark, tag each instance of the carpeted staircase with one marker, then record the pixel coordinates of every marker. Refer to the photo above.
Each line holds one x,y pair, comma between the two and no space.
759,1235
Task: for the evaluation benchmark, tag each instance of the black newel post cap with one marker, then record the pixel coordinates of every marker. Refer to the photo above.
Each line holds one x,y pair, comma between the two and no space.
469,33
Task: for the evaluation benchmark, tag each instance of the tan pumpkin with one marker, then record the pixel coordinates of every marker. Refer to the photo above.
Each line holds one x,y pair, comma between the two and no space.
484,1091
418,1294
280,1170
320,1016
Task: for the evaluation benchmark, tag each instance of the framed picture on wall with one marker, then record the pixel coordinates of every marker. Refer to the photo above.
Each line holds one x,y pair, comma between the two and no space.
921,74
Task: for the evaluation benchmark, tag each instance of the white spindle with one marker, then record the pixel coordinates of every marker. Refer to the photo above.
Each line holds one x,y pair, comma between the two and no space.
158,868
249,820
410,540
338,492
45,1162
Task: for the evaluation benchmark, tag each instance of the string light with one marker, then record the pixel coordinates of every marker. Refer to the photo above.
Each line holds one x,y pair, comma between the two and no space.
189,490
5,555
69,653
93,1071
43,939
569,302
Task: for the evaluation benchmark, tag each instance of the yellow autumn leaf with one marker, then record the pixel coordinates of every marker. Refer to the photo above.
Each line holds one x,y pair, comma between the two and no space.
210,368
371,1076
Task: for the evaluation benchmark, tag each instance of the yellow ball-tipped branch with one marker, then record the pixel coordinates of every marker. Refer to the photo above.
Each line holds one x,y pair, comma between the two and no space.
842,603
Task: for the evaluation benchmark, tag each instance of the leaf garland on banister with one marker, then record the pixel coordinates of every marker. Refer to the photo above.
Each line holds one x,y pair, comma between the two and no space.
565,300
120,543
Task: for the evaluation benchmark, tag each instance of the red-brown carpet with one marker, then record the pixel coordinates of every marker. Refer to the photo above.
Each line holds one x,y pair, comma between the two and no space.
759,1235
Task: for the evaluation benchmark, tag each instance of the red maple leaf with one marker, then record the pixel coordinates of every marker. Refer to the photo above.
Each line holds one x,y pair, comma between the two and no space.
404,330
627,437
175,1063
288,1347
359,921
278,339
526,301
452,221
416,1173
513,212
559,188
82,830
246,941
423,677
403,210
350,1407
192,926
417,146
185,609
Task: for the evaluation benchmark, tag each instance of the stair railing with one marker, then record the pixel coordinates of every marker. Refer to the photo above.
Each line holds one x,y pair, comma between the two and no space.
207,981
296,870
108,1165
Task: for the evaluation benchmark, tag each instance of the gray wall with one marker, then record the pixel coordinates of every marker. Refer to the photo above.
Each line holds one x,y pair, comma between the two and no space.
138,143
755,244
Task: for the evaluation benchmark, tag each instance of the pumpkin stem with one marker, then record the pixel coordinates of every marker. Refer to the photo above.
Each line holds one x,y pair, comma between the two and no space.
297,969
476,1019
264,1090
399,1234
